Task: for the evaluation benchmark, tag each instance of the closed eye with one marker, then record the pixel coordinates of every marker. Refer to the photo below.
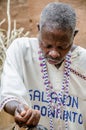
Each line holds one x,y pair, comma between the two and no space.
64,47
49,46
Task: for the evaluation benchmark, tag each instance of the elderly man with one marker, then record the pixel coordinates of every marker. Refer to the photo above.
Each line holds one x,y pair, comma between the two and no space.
44,79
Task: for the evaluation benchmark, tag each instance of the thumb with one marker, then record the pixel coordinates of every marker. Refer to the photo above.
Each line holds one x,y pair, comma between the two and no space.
21,110
24,109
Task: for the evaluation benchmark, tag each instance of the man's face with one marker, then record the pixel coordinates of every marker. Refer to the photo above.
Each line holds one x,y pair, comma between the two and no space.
55,44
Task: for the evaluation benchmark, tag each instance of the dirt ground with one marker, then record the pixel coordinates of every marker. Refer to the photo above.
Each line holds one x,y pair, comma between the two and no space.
27,14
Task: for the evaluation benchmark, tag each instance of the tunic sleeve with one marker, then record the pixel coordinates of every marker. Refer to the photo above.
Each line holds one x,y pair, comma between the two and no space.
12,85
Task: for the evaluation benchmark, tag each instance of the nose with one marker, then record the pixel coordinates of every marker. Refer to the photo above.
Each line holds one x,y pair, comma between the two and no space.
54,54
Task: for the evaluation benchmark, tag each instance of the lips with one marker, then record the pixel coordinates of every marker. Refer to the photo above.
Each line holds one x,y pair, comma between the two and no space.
52,61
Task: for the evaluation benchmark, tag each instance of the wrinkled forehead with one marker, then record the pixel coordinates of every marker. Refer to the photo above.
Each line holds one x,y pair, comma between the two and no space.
52,32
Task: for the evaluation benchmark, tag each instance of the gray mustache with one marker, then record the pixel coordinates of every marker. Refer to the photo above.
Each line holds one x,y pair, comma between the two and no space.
54,59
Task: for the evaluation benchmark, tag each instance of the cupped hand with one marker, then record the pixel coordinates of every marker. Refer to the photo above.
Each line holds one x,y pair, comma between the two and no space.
26,117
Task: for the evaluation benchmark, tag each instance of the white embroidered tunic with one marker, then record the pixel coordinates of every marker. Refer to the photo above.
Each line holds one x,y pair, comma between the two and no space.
22,81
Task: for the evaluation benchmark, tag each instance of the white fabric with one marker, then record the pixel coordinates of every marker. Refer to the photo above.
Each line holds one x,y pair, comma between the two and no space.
22,81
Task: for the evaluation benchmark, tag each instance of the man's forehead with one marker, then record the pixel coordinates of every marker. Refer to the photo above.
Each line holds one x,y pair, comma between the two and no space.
55,35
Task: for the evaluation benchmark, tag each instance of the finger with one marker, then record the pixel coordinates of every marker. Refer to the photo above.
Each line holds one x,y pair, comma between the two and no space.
18,118
21,109
34,119
20,113
25,118
37,118
27,115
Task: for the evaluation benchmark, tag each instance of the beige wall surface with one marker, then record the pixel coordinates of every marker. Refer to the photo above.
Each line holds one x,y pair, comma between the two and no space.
27,13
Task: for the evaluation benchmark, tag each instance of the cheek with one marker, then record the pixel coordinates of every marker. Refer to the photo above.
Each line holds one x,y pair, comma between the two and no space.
45,51
64,53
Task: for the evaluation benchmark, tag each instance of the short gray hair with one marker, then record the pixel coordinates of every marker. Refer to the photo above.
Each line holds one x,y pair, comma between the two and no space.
59,15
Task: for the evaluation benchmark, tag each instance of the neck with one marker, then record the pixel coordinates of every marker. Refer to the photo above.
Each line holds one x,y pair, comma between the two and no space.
57,66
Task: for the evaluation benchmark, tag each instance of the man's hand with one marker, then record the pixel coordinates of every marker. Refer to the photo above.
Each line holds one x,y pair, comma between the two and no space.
26,117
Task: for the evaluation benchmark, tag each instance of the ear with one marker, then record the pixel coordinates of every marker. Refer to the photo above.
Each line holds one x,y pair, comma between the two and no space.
75,32
38,26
